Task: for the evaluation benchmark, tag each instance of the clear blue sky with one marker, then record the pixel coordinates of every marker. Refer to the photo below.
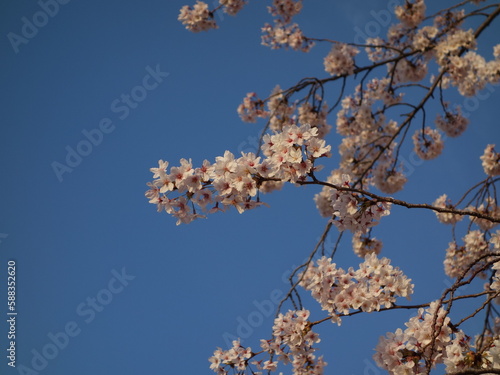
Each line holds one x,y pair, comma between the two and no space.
169,295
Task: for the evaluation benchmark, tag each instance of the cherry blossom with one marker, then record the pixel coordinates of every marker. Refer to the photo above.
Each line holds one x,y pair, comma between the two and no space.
452,124
340,60
491,161
198,18
232,7
235,182
282,35
446,217
292,342
375,284
363,244
428,143
379,95
424,340
462,258
236,357
411,13
285,9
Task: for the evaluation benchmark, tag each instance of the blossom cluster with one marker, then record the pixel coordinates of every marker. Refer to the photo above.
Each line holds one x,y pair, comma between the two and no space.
375,284
252,108
430,339
460,259
488,207
293,342
452,124
461,356
355,214
491,161
408,71
424,340
428,143
340,60
281,113
283,35
369,156
471,73
411,14
285,9
363,244
236,357
232,7
366,132
446,217
495,285
230,181
348,209
198,18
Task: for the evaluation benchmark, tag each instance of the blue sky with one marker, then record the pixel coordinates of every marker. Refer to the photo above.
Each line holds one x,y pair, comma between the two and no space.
169,295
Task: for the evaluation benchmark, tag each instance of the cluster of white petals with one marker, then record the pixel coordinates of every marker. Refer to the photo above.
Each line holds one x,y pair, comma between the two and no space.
463,260
198,18
374,285
424,38
363,244
452,124
236,357
424,340
453,44
282,35
427,143
386,177
491,161
348,210
471,73
340,59
355,214
322,199
446,217
232,7
285,9
293,342
231,181
316,117
369,156
281,113
489,208
366,131
495,285
411,14
409,71
376,52
461,356
251,108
